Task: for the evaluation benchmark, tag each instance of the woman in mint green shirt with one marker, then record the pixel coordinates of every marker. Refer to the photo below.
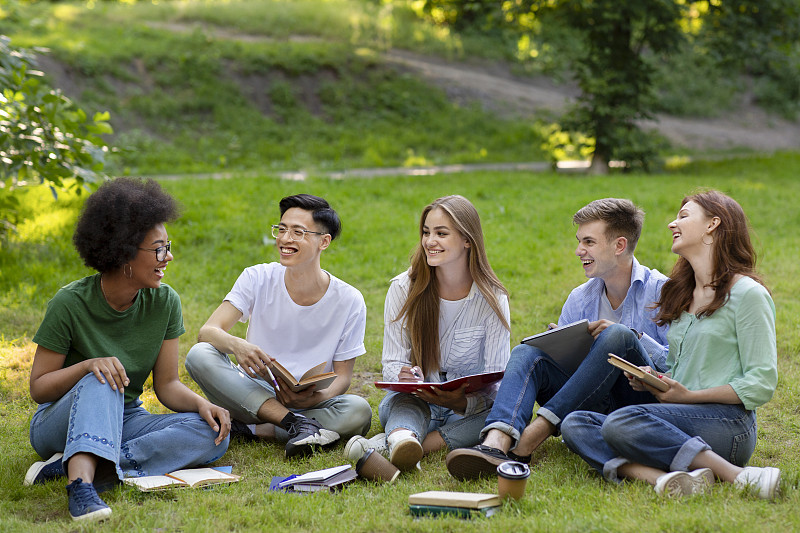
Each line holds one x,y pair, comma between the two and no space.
722,360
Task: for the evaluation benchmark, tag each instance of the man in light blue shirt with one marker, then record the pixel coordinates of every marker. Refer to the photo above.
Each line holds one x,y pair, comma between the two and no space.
618,303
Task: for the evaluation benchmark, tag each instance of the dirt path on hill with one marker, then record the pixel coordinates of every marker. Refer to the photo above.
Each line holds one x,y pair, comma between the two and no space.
498,90
501,92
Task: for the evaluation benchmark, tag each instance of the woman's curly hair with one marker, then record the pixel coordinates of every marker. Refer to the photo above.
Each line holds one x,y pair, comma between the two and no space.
116,219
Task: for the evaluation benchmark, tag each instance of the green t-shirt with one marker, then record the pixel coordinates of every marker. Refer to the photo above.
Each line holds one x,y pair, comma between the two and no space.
80,324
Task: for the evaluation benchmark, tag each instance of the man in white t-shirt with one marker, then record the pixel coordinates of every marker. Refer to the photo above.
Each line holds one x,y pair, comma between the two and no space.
299,315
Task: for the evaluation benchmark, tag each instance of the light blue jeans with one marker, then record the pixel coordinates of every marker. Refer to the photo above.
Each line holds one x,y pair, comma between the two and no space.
533,377
403,410
227,386
93,418
664,436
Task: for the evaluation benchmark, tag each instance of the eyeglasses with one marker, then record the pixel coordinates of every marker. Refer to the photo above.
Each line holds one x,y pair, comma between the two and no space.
161,251
297,234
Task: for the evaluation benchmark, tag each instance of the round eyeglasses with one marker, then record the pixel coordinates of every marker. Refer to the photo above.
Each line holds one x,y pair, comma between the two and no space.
296,233
161,251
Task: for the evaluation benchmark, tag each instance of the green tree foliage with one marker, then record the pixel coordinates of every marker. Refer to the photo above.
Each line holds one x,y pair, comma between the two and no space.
621,41
44,137
762,40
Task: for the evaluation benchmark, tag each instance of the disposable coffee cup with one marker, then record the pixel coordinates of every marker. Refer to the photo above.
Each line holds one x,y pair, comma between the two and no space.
376,467
512,477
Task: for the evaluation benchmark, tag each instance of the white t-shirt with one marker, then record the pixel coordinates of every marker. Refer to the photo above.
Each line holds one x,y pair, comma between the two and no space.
607,312
299,337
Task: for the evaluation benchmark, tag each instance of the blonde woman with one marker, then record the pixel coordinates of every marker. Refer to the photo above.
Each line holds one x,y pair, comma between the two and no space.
446,317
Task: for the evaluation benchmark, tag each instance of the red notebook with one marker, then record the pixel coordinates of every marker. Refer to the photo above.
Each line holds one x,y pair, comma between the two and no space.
474,382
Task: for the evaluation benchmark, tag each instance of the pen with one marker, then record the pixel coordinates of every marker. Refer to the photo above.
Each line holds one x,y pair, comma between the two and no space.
417,372
272,377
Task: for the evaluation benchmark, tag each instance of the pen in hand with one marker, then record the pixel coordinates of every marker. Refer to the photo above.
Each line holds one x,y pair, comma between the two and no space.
272,377
417,373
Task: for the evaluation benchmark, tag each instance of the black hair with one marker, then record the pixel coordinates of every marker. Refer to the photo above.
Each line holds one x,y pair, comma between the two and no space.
116,218
321,211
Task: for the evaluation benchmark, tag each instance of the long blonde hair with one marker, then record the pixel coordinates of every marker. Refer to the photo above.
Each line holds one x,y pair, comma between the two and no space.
421,308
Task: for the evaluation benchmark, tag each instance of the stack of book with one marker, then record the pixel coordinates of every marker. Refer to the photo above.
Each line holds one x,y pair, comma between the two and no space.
461,504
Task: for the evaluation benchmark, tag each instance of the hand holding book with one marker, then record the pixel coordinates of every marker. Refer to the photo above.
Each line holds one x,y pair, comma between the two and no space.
638,373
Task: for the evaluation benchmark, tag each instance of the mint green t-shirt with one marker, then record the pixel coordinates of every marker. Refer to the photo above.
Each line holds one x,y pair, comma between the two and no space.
736,346
80,324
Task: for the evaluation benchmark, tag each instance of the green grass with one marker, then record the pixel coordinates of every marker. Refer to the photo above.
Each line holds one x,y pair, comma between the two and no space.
526,219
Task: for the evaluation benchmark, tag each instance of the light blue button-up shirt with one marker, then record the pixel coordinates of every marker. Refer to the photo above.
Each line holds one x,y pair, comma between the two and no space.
637,309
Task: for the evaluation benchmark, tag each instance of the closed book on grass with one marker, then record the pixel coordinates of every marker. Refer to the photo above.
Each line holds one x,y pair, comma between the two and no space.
465,500
314,376
187,478
474,383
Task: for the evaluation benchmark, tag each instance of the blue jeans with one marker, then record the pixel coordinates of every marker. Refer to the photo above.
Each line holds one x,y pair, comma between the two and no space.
403,410
93,418
664,436
225,385
533,377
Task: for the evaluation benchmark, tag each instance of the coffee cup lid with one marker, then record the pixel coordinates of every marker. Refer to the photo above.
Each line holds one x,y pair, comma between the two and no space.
513,470
363,459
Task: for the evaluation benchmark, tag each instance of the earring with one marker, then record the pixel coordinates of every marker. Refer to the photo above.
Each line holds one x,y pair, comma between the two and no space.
703,238
129,272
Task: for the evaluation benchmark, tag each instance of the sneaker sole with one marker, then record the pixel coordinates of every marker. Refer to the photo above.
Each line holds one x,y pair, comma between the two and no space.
100,514
471,464
406,455
33,471
688,483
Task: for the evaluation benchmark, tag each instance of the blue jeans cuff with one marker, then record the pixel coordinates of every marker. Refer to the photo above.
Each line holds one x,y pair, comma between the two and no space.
503,427
611,467
551,417
687,453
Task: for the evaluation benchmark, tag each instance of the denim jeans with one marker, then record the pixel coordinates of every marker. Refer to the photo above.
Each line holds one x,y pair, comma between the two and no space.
533,377
403,410
664,436
227,386
92,418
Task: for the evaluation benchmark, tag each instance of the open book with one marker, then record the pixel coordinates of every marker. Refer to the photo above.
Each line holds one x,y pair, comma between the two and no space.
314,376
187,478
474,383
637,372
567,345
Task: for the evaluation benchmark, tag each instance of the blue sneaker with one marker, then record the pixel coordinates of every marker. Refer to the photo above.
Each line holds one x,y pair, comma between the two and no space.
42,471
84,503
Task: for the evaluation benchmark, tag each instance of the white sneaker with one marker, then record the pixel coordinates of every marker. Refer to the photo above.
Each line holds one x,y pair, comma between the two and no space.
357,446
677,484
765,481
405,451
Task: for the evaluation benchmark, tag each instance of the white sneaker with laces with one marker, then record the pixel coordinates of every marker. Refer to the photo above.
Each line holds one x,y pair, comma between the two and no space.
405,451
679,483
763,481
357,446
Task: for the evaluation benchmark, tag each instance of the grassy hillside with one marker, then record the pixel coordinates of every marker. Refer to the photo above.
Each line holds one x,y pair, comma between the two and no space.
242,85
